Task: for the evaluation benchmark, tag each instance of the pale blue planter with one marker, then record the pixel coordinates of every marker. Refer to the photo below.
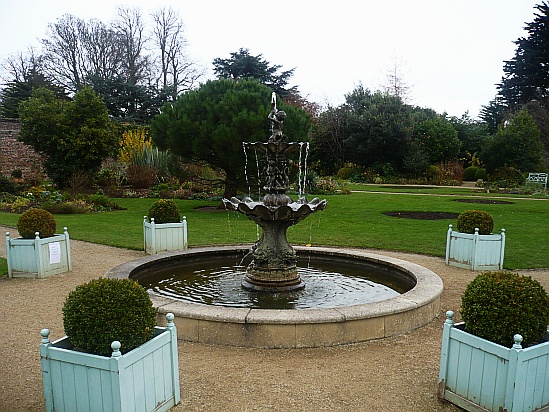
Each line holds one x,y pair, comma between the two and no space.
475,251
38,257
144,379
479,375
164,237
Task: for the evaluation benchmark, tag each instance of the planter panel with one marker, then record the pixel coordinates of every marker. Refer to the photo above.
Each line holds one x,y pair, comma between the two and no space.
144,379
38,258
479,375
164,237
475,251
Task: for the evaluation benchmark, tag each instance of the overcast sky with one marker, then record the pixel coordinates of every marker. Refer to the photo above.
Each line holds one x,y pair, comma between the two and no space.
450,52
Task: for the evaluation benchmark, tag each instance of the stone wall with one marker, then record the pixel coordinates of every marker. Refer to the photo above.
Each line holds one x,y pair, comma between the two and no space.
16,155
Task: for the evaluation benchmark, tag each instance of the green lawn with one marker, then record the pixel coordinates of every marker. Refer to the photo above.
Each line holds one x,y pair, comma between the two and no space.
355,220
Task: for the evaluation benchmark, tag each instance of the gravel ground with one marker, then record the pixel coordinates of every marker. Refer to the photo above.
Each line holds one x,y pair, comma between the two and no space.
394,374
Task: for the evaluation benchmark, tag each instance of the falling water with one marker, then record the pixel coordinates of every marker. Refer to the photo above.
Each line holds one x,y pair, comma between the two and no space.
305,166
246,168
300,188
258,177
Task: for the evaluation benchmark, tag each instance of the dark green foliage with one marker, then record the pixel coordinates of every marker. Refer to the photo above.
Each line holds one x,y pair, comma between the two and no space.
497,305
242,65
525,75
16,173
507,176
36,220
517,143
469,173
104,310
164,211
74,137
481,174
468,220
17,91
211,122
7,185
439,138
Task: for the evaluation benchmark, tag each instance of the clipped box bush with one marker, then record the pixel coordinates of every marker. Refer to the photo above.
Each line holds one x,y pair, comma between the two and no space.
164,211
36,220
105,310
497,305
469,173
468,220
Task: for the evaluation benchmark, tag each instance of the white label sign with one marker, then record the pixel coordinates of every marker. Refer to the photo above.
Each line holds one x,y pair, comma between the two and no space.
55,252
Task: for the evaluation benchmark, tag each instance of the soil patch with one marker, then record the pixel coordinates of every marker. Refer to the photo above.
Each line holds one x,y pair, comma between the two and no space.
484,201
423,215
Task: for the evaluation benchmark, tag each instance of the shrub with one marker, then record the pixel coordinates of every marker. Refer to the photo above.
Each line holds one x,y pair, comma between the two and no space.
7,185
104,310
468,220
481,174
16,173
164,211
469,173
497,305
141,177
36,220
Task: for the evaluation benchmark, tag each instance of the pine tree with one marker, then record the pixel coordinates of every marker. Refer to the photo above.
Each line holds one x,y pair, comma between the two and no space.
527,74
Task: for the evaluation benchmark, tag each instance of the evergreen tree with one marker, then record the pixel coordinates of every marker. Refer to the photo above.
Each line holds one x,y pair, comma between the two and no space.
242,65
74,137
516,144
18,91
211,123
527,74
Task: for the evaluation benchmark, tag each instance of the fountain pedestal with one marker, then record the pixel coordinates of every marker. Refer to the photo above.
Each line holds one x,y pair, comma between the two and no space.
274,264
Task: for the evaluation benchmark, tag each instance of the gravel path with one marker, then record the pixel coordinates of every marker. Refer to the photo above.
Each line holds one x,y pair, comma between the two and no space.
394,374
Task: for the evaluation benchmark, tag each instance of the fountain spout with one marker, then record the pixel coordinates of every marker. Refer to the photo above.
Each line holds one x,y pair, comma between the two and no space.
273,268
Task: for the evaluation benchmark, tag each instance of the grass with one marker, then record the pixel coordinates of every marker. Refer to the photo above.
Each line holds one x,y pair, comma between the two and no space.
355,220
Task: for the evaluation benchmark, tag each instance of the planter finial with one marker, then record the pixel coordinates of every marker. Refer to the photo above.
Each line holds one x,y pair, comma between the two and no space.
518,339
449,316
116,349
45,335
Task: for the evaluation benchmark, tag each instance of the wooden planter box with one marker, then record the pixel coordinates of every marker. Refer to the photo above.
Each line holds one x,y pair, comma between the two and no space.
475,252
164,237
38,258
144,379
479,375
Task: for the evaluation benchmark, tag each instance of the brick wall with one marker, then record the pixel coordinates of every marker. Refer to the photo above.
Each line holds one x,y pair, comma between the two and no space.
17,155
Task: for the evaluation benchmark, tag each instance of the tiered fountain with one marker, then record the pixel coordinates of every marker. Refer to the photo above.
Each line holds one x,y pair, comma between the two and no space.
192,294
273,268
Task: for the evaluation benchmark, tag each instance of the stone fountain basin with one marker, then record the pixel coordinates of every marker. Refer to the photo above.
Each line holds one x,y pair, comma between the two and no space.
297,328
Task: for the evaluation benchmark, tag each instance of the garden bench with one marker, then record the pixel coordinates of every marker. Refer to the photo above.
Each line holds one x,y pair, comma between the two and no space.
539,178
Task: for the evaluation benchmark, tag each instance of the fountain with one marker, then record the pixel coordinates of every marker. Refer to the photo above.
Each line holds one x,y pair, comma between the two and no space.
273,268
273,273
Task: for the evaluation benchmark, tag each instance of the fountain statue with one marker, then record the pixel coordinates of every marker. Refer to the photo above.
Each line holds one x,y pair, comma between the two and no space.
273,267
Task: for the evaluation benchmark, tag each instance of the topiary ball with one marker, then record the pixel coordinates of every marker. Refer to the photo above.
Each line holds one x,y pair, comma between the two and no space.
497,305
164,211
104,310
36,220
471,219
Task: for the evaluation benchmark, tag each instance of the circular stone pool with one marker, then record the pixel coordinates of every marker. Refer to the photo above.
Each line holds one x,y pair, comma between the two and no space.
345,322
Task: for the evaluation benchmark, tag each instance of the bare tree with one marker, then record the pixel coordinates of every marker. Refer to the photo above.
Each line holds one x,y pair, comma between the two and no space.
16,68
130,27
395,84
103,50
176,69
64,54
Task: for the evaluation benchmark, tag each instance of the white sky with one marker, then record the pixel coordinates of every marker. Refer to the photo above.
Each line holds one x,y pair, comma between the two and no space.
451,52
